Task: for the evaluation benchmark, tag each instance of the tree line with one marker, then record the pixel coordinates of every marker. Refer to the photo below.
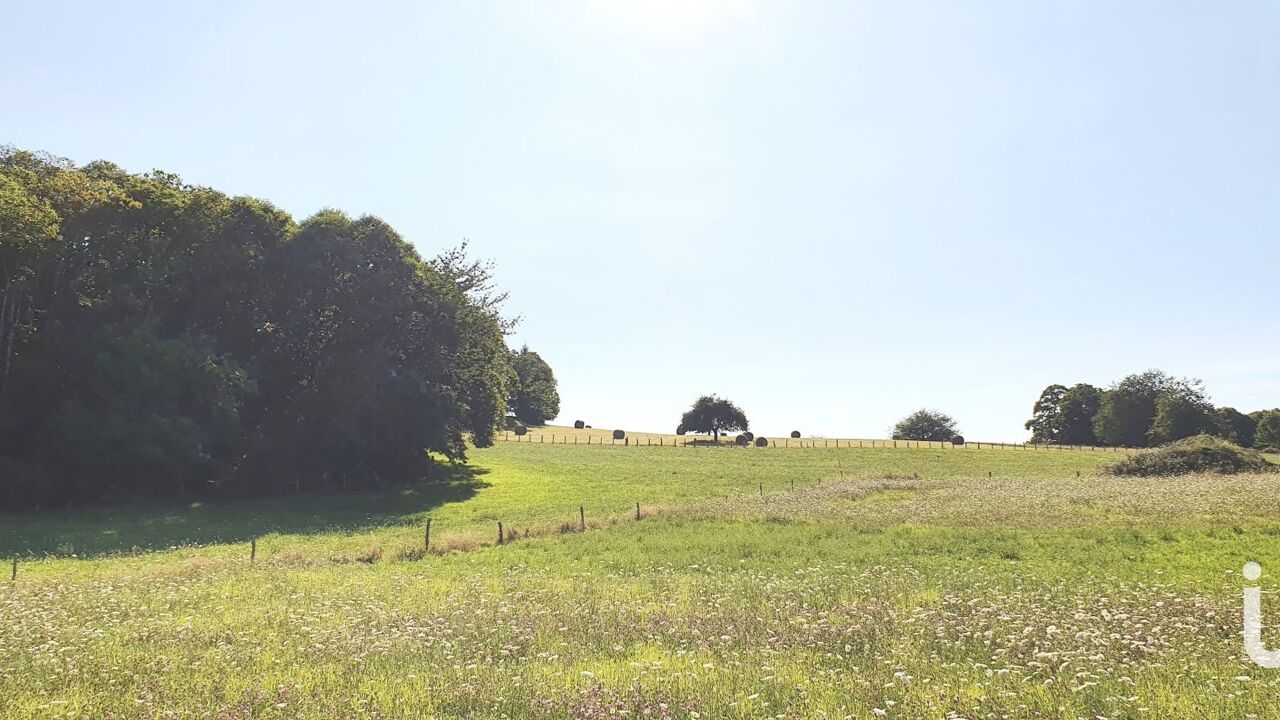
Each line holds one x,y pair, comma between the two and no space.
163,340
1144,410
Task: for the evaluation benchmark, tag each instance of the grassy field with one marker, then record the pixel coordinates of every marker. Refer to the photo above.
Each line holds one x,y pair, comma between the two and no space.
556,434
811,583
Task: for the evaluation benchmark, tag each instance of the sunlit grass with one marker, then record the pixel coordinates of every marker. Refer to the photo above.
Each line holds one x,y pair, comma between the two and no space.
883,584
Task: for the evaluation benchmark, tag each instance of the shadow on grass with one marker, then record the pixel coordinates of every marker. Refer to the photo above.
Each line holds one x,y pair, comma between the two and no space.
94,532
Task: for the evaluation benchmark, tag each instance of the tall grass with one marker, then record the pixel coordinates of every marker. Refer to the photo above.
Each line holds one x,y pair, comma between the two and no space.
884,584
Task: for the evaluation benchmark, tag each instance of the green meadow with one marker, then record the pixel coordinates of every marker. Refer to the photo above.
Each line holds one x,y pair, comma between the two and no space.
774,582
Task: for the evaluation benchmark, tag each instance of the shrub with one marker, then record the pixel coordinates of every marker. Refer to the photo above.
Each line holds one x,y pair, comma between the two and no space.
619,435
925,425
680,430
795,434
762,442
957,440
414,553
741,440
1200,453
578,425
372,554
521,430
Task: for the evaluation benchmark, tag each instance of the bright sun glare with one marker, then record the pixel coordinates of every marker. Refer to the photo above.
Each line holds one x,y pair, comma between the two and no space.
673,20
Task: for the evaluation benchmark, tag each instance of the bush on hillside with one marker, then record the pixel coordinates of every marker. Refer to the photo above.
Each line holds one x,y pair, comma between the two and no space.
1200,453
925,424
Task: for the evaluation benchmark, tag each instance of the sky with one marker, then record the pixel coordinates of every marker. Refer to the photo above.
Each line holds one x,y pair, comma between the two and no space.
831,213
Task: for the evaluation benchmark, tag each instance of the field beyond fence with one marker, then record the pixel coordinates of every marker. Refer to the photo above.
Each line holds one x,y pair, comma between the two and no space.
554,435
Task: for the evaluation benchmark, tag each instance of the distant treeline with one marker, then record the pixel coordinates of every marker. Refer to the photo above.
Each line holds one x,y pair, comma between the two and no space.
163,340
1145,410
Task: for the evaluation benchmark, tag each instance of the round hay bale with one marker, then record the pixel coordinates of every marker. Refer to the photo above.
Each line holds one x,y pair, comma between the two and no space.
795,434
957,440
762,442
588,427
741,440
578,425
619,435
680,430
749,436
521,430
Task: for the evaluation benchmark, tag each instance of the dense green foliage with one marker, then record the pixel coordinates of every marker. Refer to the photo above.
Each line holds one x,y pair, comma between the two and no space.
712,415
926,424
1142,410
1267,432
163,340
1197,454
534,397
1235,426
1065,415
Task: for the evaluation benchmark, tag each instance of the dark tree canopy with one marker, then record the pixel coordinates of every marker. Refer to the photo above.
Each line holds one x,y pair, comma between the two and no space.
711,415
1141,410
1235,426
1151,408
534,398
1065,415
1046,416
925,425
161,340
1267,435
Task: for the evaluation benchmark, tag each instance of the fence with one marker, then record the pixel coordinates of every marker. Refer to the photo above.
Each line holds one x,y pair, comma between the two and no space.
797,443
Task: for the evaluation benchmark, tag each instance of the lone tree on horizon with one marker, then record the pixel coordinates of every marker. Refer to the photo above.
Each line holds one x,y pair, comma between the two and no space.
713,415
534,398
926,424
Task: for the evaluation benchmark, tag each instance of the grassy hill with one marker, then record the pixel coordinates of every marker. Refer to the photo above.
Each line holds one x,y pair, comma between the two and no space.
845,582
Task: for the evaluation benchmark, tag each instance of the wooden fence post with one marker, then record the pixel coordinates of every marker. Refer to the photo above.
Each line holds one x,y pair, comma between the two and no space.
582,518
14,576
253,550
426,539
637,512
500,538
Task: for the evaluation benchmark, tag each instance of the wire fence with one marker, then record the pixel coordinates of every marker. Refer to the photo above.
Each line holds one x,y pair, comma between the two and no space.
797,443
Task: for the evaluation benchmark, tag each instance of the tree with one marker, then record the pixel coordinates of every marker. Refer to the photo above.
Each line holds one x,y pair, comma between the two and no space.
926,424
1046,416
1267,435
534,399
1235,426
713,415
1128,409
1080,405
1180,415
159,339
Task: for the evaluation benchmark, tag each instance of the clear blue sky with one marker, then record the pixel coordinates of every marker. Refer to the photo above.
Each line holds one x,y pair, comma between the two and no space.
831,213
